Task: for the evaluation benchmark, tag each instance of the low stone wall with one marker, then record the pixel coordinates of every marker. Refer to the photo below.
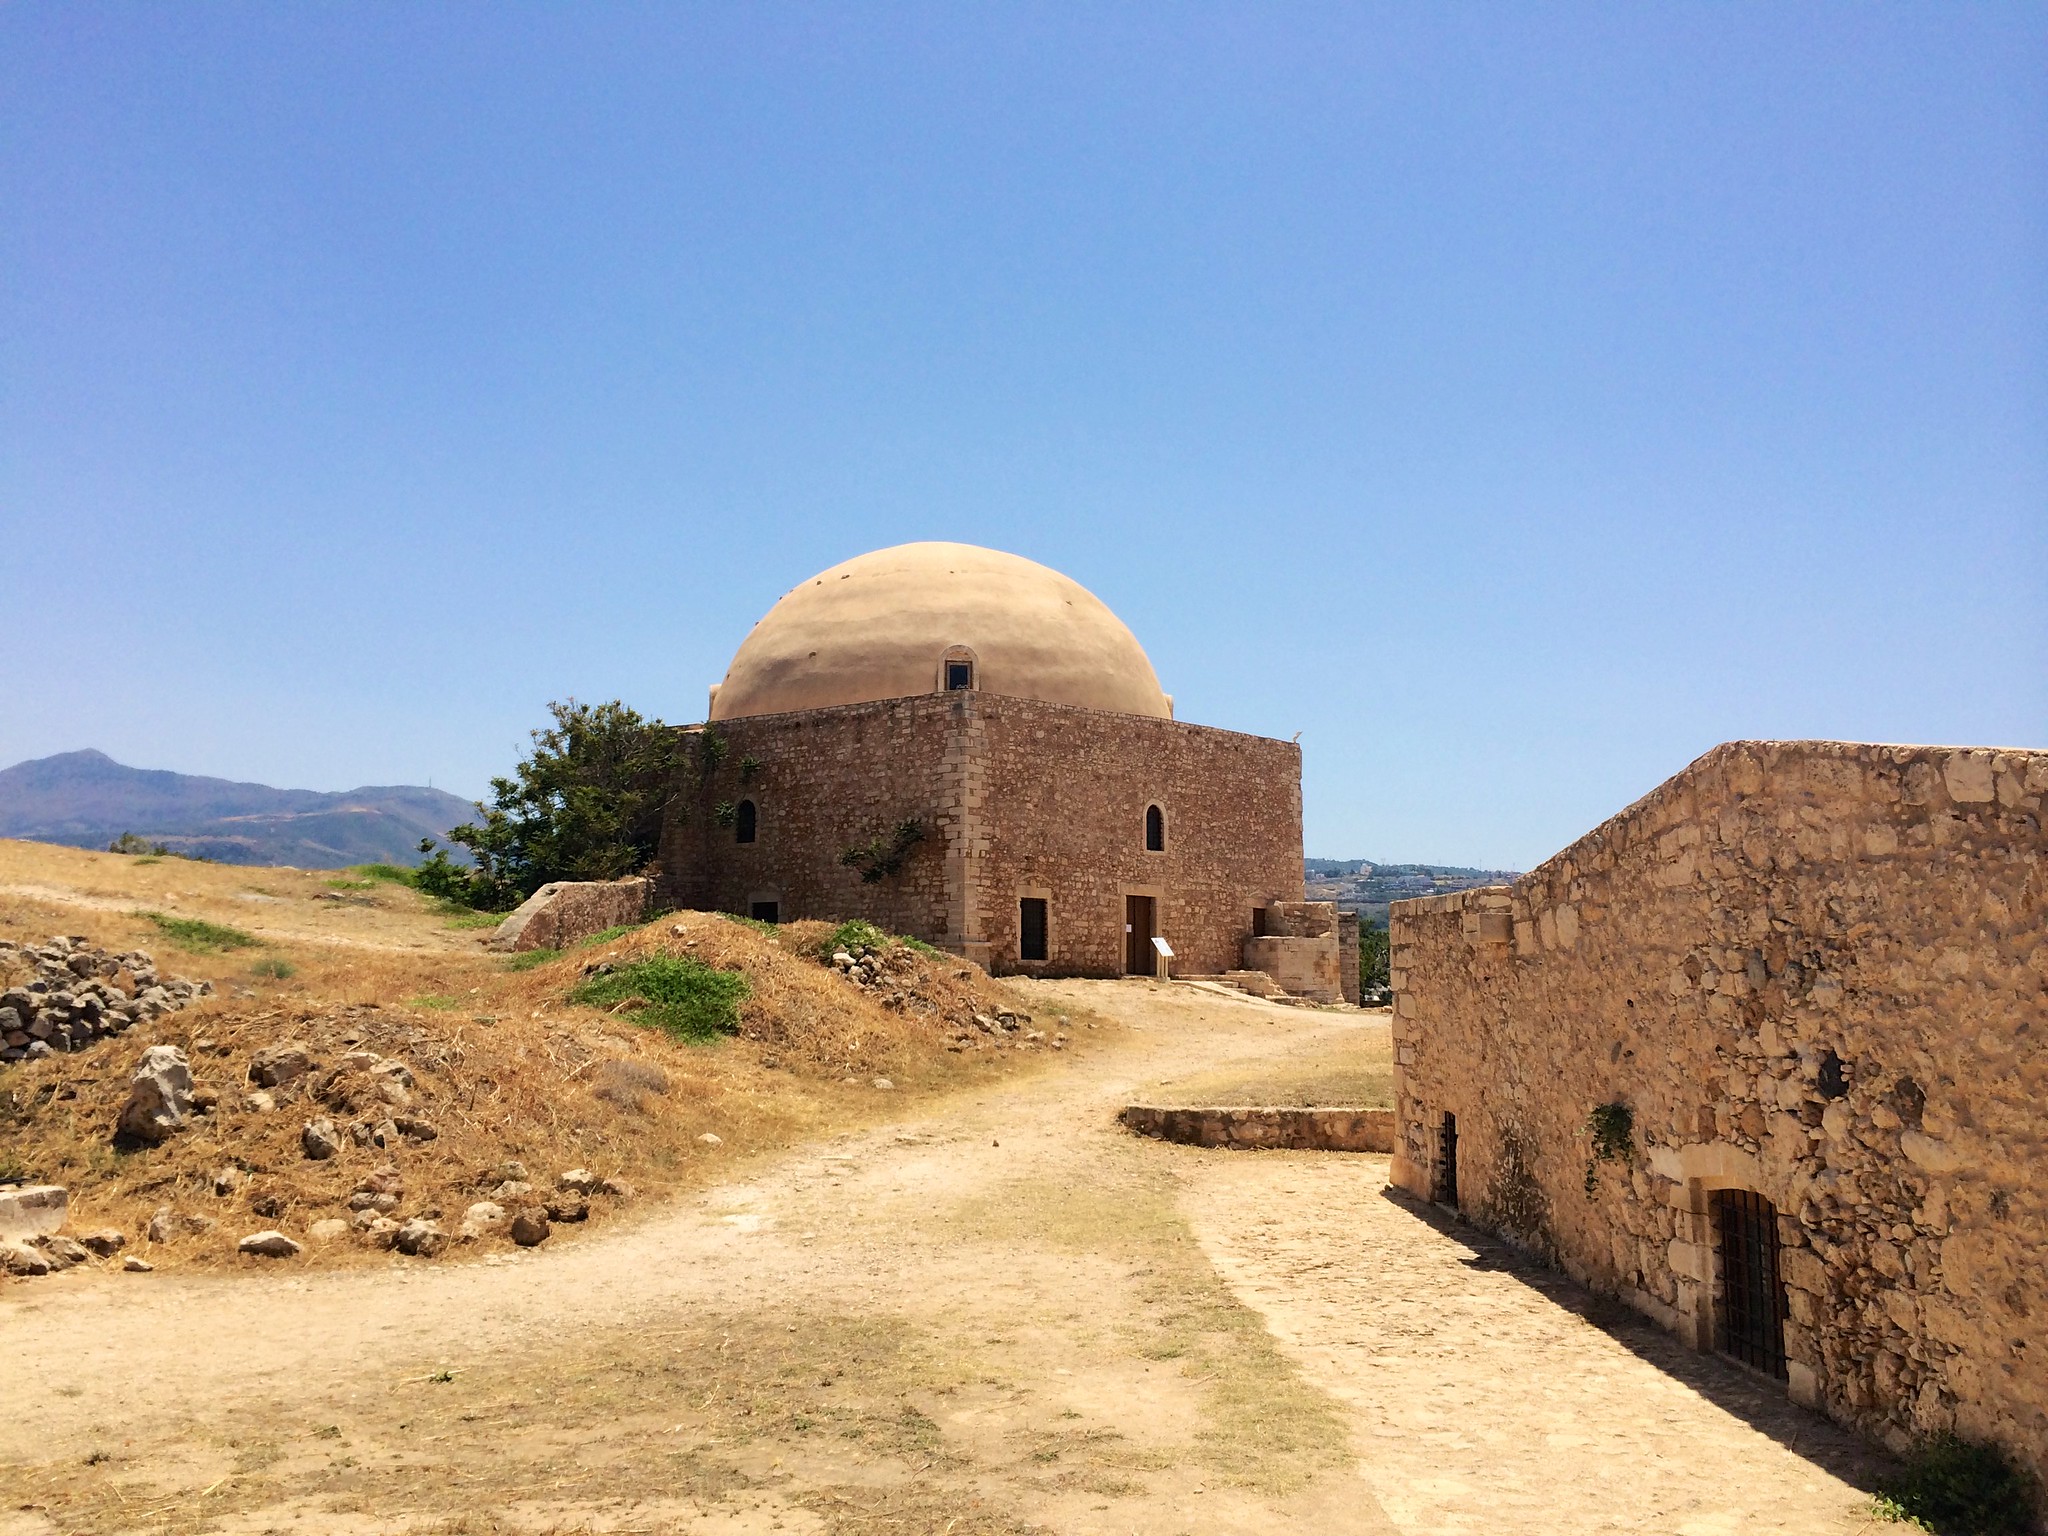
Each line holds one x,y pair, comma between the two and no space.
1294,1130
560,914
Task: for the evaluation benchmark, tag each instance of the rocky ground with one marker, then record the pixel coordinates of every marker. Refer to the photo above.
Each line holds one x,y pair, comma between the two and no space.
995,1312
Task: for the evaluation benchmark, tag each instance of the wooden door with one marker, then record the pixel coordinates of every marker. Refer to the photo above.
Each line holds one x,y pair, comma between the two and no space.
1140,924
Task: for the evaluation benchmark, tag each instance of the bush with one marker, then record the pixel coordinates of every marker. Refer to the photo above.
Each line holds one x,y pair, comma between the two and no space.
1960,1489
687,998
1373,956
128,842
202,937
857,934
274,968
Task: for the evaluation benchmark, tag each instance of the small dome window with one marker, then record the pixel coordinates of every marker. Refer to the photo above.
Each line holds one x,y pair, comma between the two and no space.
956,670
745,822
1155,829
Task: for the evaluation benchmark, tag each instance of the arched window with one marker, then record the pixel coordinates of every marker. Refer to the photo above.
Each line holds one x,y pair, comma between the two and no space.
744,822
1155,829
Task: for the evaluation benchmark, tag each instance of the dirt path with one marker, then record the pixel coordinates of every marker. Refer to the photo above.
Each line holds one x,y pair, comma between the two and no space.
995,1317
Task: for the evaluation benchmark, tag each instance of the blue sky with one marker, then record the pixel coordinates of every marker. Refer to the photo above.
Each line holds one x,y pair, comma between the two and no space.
1515,401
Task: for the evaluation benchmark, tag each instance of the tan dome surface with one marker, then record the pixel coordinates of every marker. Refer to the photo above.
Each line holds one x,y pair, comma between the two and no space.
880,627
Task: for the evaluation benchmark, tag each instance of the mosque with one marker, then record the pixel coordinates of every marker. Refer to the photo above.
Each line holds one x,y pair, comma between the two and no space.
964,746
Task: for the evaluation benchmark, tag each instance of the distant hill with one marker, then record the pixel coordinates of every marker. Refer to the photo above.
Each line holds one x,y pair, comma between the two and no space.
86,799
1361,886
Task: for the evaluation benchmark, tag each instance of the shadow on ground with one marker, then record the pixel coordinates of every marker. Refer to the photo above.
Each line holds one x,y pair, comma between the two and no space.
1754,1399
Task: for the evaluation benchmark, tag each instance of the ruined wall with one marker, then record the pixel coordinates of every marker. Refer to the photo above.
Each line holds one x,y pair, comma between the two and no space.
1019,798
565,911
1815,970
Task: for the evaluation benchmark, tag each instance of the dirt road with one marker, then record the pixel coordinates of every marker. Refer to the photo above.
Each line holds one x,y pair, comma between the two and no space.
1003,1315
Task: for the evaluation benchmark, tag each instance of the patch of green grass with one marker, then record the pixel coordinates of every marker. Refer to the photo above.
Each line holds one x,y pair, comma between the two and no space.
273,967
395,874
1956,1488
686,998
755,923
464,919
849,936
859,933
191,933
610,934
351,885
527,959
433,1000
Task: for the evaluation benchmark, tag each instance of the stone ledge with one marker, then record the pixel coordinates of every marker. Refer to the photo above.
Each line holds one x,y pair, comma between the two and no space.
1295,1130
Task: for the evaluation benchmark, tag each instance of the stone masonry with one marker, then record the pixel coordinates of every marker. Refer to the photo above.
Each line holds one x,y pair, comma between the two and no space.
1814,971
1015,799
564,911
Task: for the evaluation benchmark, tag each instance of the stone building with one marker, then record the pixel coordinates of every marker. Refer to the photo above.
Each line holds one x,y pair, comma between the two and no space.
1765,1056
969,748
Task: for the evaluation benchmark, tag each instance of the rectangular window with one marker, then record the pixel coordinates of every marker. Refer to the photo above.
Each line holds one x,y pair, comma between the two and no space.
1031,928
959,674
766,912
1258,922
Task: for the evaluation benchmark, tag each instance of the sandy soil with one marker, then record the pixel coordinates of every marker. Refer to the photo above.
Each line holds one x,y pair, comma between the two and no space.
1001,1315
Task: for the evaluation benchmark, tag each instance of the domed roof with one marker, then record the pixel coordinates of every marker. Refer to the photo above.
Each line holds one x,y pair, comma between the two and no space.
883,626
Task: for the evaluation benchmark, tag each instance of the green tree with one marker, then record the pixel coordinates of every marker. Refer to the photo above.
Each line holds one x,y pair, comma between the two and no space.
587,805
1372,956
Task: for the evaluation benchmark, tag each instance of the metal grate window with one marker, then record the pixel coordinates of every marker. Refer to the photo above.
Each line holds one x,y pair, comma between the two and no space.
1446,1191
1750,1322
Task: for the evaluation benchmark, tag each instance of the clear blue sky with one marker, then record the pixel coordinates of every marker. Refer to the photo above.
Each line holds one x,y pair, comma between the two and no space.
1514,400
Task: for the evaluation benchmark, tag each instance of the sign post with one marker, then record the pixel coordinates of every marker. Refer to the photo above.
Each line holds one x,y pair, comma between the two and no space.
1163,952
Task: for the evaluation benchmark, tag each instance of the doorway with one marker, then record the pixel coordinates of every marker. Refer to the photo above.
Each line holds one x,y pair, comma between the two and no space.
1446,1190
765,911
1140,924
1750,1322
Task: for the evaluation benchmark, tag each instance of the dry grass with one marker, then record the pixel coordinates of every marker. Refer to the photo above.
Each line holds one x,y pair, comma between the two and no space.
505,1068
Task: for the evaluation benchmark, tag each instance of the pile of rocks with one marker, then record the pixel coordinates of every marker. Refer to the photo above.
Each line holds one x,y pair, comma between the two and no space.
891,972
81,993
1006,1026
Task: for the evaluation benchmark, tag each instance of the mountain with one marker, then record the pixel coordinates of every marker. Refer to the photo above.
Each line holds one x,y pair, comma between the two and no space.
87,799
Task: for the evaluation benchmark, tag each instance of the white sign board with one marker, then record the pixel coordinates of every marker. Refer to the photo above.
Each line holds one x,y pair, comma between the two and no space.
1165,949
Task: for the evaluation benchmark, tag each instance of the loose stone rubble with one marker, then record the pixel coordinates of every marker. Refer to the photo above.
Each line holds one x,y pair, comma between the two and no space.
891,972
81,993
160,1099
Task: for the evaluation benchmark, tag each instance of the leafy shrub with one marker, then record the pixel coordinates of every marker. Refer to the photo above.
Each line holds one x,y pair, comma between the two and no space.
1958,1488
191,933
1373,956
687,998
128,842
1613,1129
849,936
274,968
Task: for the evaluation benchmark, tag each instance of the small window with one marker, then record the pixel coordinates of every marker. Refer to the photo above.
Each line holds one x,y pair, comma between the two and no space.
765,911
745,821
959,675
1031,928
1155,829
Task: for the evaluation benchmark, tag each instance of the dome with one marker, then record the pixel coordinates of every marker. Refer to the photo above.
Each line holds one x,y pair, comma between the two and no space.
887,625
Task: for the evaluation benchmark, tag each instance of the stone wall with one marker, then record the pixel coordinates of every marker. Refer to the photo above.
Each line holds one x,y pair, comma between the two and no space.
1019,799
1813,970
567,911
1292,1129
